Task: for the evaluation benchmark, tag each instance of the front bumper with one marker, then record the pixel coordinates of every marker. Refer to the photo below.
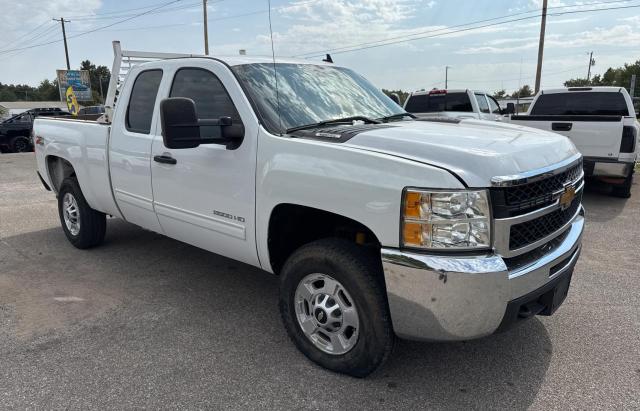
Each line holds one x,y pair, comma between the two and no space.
447,298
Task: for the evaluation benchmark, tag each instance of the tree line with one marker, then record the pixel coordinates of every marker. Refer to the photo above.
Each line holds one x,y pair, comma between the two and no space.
48,90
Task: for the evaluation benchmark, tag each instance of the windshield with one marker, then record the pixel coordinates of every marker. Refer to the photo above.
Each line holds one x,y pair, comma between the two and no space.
310,93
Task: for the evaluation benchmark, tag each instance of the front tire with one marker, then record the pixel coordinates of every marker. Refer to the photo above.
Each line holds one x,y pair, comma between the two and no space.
83,226
334,307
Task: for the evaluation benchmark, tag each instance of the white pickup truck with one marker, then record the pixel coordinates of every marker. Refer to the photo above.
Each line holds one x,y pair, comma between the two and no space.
600,121
376,224
463,103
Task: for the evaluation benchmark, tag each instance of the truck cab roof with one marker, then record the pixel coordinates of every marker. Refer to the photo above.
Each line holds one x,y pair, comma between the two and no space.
599,89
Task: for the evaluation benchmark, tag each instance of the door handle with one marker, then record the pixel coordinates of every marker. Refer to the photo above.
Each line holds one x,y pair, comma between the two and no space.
561,126
165,159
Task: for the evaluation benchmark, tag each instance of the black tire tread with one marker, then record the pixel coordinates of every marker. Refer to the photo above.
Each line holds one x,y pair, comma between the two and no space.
93,224
366,266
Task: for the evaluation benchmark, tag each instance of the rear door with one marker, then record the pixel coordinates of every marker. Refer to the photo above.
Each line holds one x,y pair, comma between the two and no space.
207,198
592,120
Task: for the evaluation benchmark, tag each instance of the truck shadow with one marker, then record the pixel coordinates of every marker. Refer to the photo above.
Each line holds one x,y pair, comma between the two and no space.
599,204
179,318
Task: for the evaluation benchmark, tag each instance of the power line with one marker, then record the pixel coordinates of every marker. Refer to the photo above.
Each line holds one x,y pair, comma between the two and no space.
405,38
92,30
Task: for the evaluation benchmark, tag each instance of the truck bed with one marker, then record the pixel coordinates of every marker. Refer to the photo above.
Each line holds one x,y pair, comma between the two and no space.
84,145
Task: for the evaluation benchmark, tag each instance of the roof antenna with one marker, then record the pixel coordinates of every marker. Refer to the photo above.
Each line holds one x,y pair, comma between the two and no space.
275,73
328,59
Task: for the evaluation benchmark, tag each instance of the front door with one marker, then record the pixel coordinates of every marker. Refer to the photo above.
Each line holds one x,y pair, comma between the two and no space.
130,147
207,197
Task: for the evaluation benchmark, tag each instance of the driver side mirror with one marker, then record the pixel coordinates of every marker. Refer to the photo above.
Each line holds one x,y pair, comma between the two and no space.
511,109
181,127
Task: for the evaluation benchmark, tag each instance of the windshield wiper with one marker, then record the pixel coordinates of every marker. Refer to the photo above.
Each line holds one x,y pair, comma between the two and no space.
335,120
398,116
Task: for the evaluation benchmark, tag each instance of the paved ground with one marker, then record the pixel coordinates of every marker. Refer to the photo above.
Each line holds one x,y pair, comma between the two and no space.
145,321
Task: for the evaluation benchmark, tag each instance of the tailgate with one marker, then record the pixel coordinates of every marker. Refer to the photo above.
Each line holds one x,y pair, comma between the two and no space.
594,136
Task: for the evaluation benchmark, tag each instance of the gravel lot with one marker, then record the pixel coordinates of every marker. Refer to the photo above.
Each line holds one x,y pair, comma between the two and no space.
146,321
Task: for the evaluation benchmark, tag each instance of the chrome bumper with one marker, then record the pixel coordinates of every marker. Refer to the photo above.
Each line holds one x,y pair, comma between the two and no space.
447,298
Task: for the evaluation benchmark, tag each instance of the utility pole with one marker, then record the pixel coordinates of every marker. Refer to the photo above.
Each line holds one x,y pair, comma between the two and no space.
64,36
591,63
543,26
101,95
206,29
632,86
446,77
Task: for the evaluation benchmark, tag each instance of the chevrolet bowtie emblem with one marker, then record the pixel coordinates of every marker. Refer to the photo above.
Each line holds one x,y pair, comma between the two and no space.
567,197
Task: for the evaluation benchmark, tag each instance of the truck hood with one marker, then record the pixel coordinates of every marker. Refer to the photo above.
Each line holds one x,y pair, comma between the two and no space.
474,150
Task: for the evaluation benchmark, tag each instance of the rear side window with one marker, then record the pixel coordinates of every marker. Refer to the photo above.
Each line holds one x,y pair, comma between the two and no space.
142,101
208,92
430,103
581,103
482,103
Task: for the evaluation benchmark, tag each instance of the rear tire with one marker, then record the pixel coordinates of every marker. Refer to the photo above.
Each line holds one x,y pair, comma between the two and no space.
20,144
624,189
357,275
83,226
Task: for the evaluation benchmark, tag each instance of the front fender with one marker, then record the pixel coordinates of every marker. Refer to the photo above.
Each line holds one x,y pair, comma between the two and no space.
361,185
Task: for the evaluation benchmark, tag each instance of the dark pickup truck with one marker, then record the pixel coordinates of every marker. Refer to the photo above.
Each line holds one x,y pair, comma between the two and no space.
15,132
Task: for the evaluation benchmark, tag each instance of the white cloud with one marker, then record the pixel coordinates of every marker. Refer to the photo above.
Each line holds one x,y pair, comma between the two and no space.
596,37
30,13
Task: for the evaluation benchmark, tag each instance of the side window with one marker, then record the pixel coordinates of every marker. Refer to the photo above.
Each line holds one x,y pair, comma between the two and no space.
493,105
142,101
208,92
482,103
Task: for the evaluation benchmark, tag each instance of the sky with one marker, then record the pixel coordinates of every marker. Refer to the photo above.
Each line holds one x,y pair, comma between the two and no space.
402,44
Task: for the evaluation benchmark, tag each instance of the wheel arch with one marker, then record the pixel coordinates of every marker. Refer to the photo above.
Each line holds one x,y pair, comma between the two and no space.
58,169
292,226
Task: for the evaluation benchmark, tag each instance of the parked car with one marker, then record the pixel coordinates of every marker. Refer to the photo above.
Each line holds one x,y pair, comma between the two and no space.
15,132
377,225
454,104
600,121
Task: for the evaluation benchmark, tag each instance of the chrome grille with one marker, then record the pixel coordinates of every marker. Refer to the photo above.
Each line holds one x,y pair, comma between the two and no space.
527,208
519,199
531,231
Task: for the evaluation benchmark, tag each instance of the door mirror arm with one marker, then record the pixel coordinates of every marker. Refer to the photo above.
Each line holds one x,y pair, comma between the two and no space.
181,126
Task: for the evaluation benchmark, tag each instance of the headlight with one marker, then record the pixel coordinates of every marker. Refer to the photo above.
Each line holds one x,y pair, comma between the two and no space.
446,219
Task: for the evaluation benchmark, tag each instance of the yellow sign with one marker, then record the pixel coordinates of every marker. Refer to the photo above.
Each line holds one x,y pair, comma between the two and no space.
72,102
567,197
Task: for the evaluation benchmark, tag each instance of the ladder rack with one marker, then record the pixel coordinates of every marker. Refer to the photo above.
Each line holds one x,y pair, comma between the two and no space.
123,62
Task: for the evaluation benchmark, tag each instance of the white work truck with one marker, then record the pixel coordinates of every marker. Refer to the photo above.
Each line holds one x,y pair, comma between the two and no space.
600,121
462,103
376,224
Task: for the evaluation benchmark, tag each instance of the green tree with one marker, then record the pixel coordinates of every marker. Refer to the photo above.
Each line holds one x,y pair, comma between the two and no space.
48,90
98,76
402,94
524,91
500,94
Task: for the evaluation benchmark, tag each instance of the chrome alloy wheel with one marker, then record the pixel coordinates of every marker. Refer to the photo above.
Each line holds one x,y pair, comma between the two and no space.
71,213
327,314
